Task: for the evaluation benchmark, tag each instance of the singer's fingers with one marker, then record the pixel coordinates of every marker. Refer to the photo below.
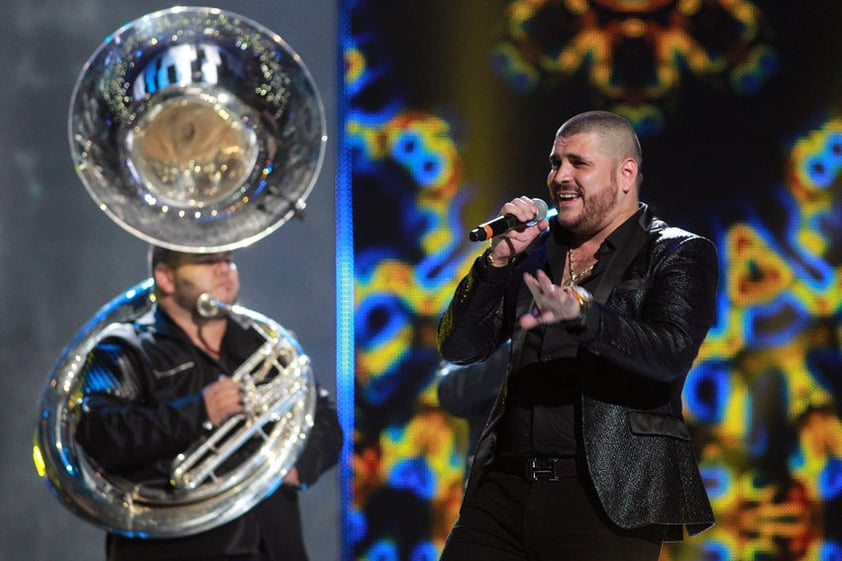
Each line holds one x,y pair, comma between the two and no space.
540,284
523,208
536,318
532,284
542,300
548,288
543,280
528,321
519,237
528,209
550,300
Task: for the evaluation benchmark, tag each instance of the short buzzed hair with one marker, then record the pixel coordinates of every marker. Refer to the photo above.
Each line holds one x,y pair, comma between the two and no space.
173,258
611,128
161,255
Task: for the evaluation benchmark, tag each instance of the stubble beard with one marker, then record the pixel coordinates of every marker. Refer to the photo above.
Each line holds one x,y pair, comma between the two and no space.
594,214
186,295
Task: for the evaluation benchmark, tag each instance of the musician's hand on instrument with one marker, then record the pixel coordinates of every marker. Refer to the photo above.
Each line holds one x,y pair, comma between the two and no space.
222,399
291,478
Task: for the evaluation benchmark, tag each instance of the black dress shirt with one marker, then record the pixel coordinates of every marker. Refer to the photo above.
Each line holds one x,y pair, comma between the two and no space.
543,392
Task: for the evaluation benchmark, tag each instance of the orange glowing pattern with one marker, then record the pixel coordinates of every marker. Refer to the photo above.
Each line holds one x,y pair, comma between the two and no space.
635,53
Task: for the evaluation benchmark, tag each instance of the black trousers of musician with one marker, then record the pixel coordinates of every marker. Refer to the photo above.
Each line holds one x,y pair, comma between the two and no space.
512,518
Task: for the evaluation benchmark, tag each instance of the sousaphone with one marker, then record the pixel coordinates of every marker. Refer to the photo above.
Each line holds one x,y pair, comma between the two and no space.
197,130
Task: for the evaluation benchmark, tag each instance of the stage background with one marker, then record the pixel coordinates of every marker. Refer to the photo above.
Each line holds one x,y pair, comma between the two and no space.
62,258
451,111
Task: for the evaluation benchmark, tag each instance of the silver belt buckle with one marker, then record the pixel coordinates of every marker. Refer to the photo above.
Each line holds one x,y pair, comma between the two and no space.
547,472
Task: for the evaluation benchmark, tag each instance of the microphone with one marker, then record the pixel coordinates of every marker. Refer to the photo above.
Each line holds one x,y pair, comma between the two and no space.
504,223
209,307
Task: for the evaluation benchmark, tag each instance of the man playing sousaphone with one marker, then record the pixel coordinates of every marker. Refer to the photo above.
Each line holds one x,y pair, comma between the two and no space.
157,385
187,434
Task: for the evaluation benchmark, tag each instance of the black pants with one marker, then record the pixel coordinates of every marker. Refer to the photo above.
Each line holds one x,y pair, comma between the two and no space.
512,519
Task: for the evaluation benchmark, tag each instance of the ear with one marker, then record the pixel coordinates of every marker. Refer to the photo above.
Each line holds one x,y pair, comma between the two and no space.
628,174
164,279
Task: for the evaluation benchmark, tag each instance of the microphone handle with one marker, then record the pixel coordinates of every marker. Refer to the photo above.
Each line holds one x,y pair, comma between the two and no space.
492,228
503,224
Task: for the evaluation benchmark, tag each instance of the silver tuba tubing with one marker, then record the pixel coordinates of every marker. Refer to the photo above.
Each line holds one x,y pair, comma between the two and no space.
274,379
279,389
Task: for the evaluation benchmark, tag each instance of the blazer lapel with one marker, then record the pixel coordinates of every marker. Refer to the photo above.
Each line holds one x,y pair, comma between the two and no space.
620,259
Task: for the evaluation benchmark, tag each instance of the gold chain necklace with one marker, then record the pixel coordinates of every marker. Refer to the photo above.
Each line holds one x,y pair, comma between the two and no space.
574,276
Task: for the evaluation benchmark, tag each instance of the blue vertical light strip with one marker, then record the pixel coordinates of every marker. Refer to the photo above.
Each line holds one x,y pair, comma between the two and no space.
344,291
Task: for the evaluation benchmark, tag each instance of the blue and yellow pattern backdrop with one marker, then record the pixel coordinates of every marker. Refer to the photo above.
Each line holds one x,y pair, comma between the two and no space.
450,110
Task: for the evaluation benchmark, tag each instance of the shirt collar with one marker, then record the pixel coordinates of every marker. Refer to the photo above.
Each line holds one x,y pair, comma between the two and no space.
615,239
625,231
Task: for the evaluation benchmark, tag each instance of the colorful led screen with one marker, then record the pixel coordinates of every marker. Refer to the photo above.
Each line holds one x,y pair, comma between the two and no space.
451,109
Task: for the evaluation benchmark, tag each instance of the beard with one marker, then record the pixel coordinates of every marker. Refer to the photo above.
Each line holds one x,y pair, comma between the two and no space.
187,293
595,213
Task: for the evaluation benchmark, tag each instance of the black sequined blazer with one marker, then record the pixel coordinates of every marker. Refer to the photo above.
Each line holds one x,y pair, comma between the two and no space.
651,312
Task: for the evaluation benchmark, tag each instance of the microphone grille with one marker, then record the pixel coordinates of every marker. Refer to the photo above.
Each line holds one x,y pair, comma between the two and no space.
541,208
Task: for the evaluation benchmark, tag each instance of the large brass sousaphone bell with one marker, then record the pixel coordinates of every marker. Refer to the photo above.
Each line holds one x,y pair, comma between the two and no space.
197,130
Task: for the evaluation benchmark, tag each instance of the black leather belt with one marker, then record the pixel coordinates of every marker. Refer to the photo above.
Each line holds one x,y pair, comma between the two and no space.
537,468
